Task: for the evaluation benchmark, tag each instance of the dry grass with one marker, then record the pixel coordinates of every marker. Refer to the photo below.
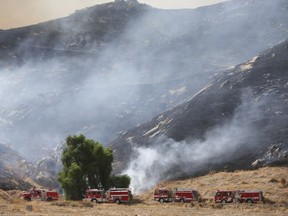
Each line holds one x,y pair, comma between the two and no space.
273,181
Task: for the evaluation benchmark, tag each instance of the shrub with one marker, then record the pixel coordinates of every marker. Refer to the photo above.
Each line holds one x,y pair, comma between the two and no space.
284,182
217,205
61,203
273,180
88,204
268,201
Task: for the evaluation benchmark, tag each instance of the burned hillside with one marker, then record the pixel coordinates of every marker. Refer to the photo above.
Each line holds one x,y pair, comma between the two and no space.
237,118
111,67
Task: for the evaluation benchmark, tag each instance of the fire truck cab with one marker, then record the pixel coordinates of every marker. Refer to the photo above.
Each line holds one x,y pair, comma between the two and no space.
224,196
163,195
95,195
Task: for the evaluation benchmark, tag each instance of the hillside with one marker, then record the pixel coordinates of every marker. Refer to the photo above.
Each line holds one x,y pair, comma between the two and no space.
105,69
272,180
11,177
237,118
109,68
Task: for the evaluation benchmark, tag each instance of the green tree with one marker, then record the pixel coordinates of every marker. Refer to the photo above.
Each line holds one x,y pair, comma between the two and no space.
122,181
86,163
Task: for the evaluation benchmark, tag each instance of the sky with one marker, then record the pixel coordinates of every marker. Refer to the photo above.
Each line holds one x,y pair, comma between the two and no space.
17,13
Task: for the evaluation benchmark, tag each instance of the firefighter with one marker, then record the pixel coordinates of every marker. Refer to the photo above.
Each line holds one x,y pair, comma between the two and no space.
32,191
44,195
237,197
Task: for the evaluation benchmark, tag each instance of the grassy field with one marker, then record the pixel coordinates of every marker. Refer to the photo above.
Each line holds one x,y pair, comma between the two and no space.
272,180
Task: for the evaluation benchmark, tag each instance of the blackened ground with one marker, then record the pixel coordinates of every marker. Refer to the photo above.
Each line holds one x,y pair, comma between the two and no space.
265,81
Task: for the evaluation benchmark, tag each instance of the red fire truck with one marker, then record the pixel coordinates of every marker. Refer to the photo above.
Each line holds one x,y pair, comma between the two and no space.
249,196
113,195
95,195
40,194
176,195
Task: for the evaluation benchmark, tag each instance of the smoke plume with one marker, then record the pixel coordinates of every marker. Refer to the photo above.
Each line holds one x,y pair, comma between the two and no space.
166,159
111,83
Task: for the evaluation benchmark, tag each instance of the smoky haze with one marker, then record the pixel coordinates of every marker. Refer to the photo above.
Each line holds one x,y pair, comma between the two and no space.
167,159
159,60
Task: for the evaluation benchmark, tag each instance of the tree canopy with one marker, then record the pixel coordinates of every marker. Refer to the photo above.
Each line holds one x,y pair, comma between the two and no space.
122,181
86,163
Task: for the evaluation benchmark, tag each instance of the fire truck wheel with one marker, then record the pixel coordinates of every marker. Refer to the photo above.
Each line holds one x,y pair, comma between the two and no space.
223,201
117,201
94,200
182,200
49,199
27,199
249,201
161,200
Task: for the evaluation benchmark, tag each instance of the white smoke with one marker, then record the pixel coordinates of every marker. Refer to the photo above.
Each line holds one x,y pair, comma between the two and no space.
44,100
166,159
